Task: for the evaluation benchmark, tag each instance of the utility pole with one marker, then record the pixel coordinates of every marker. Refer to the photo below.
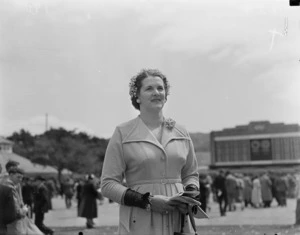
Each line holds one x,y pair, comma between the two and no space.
46,122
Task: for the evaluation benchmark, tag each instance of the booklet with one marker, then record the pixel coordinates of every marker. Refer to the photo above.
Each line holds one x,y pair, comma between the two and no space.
185,197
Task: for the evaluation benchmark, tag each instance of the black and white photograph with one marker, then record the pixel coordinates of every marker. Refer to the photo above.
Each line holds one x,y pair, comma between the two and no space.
149,117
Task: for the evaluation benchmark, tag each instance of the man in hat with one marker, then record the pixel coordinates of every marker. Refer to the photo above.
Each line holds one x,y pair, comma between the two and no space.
220,192
8,165
41,205
14,208
3,180
8,212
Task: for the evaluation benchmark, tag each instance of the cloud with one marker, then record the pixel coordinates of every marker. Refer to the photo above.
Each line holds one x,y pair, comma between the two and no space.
282,83
220,54
195,27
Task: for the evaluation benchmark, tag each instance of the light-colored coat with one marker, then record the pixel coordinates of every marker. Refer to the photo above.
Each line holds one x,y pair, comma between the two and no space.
256,193
134,154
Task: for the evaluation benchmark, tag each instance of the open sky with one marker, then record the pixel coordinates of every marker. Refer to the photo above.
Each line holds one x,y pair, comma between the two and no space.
73,60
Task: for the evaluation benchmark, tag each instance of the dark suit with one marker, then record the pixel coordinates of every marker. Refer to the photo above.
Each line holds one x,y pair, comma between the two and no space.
8,212
88,205
41,206
221,194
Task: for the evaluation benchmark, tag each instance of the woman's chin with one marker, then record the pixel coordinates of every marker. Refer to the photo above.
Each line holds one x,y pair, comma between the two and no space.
157,107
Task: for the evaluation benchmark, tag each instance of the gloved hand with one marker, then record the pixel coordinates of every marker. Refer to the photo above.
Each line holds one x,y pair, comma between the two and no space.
195,194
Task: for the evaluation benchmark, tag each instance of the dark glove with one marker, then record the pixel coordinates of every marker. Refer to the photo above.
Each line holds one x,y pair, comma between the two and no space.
133,198
192,187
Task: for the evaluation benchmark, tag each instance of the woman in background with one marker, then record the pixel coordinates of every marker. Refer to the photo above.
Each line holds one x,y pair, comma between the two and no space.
88,203
256,193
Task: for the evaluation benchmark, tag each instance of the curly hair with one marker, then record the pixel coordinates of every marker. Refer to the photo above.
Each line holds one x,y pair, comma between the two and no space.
136,84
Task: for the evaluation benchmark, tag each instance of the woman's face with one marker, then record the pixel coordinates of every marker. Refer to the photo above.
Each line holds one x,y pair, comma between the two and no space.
152,94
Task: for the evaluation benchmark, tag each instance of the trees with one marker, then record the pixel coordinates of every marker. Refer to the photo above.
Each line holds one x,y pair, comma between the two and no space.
62,149
23,143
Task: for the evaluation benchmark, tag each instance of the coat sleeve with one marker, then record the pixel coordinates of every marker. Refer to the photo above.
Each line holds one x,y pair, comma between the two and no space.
189,172
15,209
10,207
113,169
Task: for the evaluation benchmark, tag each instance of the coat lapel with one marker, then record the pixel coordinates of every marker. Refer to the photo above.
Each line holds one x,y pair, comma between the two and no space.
172,134
141,133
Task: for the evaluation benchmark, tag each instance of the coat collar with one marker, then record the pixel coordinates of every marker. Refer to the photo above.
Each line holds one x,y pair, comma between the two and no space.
141,133
9,182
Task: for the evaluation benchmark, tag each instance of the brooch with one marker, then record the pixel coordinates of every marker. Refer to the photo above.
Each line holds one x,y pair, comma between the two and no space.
170,123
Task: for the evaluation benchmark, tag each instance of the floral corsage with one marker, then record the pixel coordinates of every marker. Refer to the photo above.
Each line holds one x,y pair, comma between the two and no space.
170,123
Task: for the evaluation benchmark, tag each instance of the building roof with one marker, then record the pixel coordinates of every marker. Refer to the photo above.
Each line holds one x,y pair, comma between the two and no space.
25,164
258,127
5,141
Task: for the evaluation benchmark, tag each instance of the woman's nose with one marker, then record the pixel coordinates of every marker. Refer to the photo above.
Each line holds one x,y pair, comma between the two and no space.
156,92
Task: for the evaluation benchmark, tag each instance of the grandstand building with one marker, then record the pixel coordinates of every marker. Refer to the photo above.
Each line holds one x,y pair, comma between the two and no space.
256,144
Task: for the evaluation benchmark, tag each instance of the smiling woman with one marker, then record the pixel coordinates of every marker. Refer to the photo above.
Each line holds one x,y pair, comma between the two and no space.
156,158
135,85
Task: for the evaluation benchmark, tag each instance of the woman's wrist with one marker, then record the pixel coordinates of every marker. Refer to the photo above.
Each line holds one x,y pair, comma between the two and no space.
133,198
191,187
149,203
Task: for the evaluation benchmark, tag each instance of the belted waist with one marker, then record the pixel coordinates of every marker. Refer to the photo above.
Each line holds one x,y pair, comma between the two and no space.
154,181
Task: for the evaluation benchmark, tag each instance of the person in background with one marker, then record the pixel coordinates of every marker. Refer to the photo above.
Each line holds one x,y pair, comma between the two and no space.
27,193
15,176
51,191
281,185
88,205
78,190
204,190
41,204
231,188
156,157
68,190
220,192
9,212
297,194
273,177
256,192
4,177
266,190
247,190
240,190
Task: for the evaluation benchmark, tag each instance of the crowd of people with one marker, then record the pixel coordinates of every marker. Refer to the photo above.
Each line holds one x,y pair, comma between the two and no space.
25,200
232,190
20,199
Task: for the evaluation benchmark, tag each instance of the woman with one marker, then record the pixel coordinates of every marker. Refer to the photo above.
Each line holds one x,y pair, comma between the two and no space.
156,158
88,204
256,193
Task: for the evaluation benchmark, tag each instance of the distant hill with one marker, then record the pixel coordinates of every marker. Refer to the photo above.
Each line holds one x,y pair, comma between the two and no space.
200,141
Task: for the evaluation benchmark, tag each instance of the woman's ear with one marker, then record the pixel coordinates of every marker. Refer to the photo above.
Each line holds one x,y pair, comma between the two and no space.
138,100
